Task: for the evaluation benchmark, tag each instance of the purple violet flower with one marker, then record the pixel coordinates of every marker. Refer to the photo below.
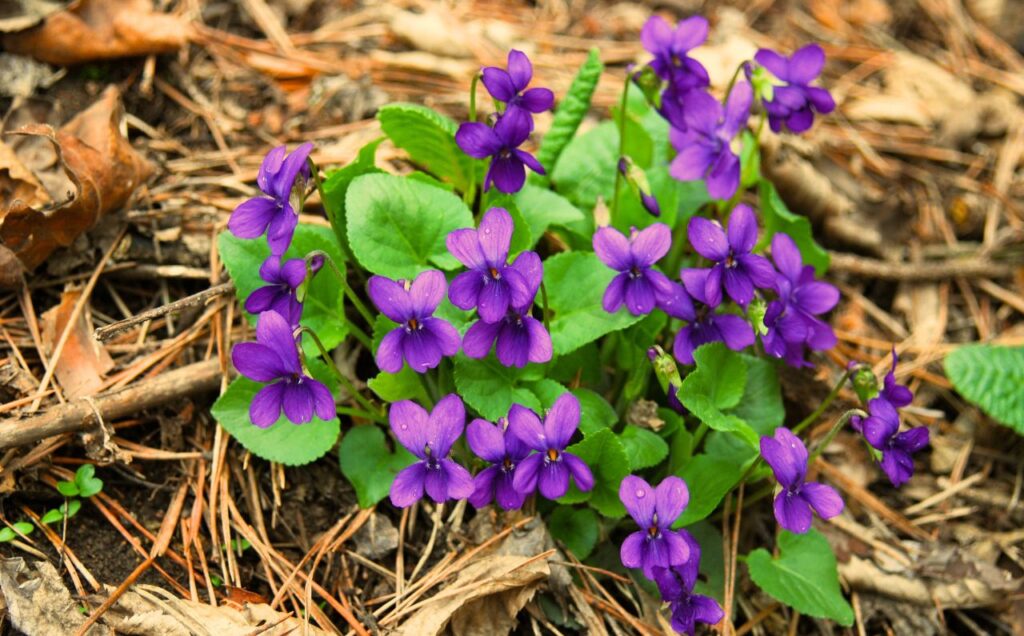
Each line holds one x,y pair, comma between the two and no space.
705,325
508,86
787,456
501,143
655,544
490,285
794,103
274,358
896,394
736,268
881,429
676,587
670,48
704,147
520,337
273,213
792,319
638,285
430,438
280,295
550,467
504,451
420,338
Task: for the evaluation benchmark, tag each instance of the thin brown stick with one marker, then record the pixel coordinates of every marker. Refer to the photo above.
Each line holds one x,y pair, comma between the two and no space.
82,415
109,331
925,271
118,593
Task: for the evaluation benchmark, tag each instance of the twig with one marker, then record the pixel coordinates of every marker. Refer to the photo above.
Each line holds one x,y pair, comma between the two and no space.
109,331
926,271
80,415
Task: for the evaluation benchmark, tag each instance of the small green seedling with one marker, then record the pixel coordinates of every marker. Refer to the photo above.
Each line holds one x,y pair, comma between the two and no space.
67,509
240,545
86,483
11,533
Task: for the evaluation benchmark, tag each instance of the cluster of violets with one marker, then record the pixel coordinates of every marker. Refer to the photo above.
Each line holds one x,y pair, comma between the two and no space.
525,455
525,452
703,130
795,298
670,558
501,292
882,425
499,141
275,359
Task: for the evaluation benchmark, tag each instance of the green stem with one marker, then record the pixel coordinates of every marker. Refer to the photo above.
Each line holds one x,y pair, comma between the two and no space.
351,412
431,385
360,335
470,194
810,419
623,105
698,435
544,297
346,288
732,81
326,357
315,172
472,97
838,426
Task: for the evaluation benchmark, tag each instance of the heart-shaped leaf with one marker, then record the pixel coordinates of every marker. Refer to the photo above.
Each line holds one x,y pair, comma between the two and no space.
368,464
87,482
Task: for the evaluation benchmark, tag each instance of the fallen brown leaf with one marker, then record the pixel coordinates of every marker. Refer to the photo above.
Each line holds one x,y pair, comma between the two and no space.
83,361
483,599
100,30
103,167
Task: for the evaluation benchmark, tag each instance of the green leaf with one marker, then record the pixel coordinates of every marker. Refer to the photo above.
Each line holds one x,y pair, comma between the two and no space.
761,405
803,577
712,560
368,464
577,528
429,138
282,442
717,384
523,237
394,387
607,459
492,388
70,507
721,374
7,534
596,414
575,283
993,378
87,482
335,186
547,391
778,218
397,227
67,488
24,527
542,208
708,479
643,447
571,110
52,516
585,172
750,160
323,309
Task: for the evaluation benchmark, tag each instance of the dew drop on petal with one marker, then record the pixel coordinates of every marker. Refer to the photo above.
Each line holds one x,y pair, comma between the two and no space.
640,493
